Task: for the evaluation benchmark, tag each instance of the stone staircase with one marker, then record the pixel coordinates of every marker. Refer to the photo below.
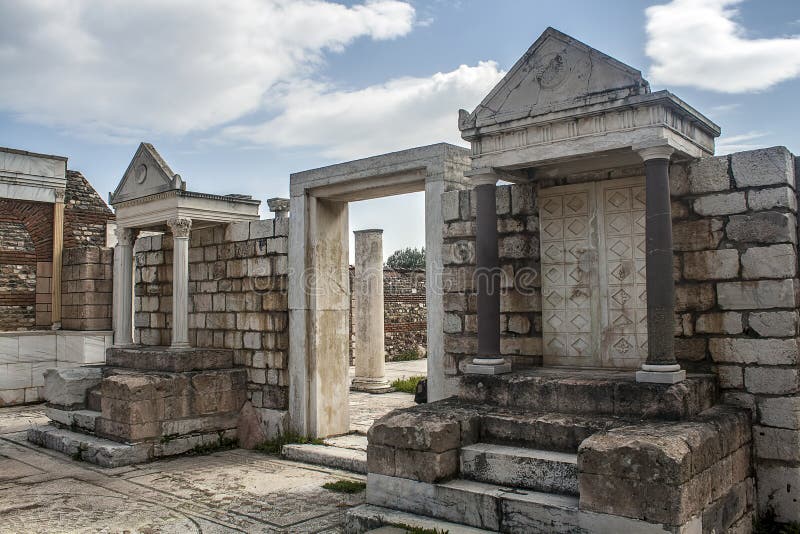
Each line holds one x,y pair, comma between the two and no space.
520,453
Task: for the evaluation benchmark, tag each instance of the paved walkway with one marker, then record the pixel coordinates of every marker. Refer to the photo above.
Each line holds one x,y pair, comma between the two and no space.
229,491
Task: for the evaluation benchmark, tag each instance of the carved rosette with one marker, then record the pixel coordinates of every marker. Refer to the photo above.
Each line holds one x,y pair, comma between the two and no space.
180,226
125,236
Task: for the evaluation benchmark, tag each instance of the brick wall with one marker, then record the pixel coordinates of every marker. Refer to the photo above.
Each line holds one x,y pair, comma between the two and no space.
405,315
237,299
85,213
520,300
86,288
17,277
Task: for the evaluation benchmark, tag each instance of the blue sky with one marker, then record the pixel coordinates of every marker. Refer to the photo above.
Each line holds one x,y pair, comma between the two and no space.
236,98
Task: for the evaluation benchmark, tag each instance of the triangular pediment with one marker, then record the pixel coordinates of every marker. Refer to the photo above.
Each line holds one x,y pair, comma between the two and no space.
556,70
147,174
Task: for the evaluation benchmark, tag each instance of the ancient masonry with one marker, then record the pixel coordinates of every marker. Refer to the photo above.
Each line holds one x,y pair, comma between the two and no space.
612,336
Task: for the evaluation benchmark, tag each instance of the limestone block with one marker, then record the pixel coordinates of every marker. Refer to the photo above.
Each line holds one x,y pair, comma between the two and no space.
679,210
773,324
709,174
779,489
765,166
518,246
519,324
756,295
455,302
781,412
691,349
426,466
758,351
678,180
777,443
694,297
774,261
452,323
719,323
772,380
424,430
239,231
459,253
459,229
503,199
381,460
722,204
711,265
68,387
730,376
762,227
249,431
262,229
697,235
523,199
450,206
775,197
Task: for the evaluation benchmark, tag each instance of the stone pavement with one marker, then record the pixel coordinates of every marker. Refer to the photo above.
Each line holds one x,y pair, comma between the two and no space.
228,491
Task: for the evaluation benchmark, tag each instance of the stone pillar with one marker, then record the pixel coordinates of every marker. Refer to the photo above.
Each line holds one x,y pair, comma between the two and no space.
58,252
180,227
122,318
279,206
487,276
369,335
661,365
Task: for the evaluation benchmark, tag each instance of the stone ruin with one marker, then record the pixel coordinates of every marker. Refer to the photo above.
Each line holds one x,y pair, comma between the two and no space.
612,331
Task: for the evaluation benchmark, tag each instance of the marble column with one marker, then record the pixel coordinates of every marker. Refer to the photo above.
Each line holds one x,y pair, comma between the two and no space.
661,365
122,312
58,252
368,315
180,228
487,277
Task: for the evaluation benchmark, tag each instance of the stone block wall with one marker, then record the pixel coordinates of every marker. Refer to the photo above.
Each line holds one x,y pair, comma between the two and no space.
86,288
237,300
735,238
520,301
85,213
405,312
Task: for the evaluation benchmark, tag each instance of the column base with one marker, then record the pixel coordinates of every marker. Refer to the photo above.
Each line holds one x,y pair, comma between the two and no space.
488,366
180,346
661,374
371,385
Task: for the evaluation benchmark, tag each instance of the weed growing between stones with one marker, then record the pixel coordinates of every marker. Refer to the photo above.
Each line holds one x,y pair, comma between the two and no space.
407,385
408,355
345,486
767,524
274,446
223,444
78,454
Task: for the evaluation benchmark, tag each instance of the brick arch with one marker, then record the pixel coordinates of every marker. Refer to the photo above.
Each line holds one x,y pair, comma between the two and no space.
38,220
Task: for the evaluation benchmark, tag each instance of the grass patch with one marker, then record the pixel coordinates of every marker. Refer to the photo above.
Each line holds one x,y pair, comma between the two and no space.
419,530
407,355
224,444
407,385
274,446
767,524
345,486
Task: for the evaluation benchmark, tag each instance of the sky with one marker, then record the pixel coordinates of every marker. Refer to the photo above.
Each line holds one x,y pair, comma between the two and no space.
238,95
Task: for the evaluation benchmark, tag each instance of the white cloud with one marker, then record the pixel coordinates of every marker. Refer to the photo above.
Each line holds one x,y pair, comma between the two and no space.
134,67
738,143
398,114
700,43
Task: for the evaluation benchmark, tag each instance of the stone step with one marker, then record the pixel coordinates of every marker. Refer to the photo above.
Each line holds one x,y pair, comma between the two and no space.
377,519
592,391
164,359
347,459
85,447
497,508
518,467
562,432
76,419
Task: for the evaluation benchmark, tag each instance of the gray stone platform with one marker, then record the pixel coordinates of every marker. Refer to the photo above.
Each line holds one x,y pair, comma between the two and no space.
166,359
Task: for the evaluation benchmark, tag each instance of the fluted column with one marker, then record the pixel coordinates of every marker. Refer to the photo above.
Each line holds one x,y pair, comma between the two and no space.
122,317
661,365
487,277
369,350
180,228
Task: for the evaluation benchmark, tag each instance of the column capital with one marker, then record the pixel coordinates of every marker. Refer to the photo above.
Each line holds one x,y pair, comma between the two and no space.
482,176
180,226
660,149
125,236
60,195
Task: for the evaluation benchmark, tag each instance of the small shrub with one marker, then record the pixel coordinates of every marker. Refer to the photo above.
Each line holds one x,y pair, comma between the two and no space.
345,486
274,446
407,385
407,355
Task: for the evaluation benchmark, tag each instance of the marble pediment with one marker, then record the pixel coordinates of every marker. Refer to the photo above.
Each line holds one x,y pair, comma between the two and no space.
556,71
147,174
